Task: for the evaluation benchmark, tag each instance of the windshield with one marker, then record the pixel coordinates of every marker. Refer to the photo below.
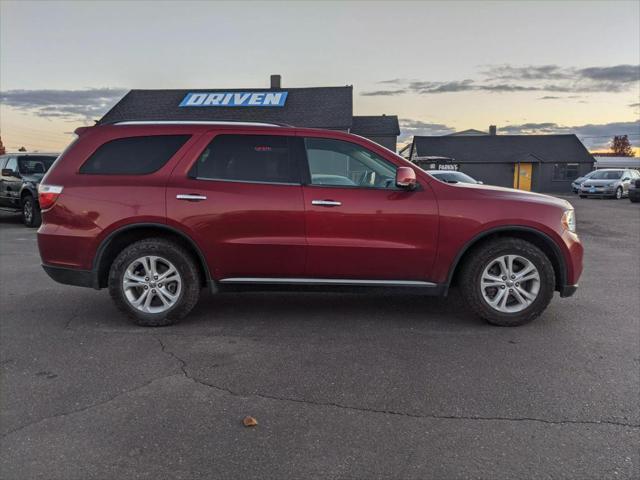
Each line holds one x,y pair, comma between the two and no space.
451,177
607,175
34,164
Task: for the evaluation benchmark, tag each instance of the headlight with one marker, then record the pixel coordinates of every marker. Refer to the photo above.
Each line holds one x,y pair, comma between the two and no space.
569,220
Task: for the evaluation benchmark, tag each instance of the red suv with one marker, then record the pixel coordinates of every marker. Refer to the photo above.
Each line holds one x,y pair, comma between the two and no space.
157,210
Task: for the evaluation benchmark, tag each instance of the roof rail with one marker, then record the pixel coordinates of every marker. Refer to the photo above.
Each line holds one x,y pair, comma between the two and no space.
198,122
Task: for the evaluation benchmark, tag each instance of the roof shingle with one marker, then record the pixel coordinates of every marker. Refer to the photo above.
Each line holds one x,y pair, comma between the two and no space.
505,148
376,125
318,107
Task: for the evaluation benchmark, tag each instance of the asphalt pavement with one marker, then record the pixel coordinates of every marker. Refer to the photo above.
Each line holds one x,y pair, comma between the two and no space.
343,386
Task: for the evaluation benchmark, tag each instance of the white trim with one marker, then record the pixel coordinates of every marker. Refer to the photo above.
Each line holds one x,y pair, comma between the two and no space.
330,281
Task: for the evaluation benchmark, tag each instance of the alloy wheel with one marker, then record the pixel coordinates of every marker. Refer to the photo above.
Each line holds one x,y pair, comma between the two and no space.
27,211
152,284
510,283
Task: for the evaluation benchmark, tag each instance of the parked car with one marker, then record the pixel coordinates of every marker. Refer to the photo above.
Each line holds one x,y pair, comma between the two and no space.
634,191
449,176
155,211
575,185
608,182
21,175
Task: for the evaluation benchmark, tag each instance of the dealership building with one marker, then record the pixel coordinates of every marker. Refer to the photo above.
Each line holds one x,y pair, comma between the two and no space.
540,163
316,107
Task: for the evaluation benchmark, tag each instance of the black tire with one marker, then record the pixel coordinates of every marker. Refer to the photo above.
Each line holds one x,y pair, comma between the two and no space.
180,258
618,194
31,215
583,196
474,266
633,200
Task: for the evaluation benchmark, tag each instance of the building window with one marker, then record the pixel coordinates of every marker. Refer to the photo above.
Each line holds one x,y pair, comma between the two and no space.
247,158
563,172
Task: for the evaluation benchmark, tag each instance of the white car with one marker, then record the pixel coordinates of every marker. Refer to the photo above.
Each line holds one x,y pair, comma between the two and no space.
451,176
609,182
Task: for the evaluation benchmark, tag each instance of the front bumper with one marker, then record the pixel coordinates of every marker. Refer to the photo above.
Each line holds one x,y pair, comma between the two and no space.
598,193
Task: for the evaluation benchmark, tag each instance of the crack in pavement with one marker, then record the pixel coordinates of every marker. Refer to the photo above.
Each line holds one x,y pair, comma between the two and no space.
183,367
86,407
74,315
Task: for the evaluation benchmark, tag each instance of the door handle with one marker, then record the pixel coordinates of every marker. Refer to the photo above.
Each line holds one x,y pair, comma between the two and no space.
191,197
326,203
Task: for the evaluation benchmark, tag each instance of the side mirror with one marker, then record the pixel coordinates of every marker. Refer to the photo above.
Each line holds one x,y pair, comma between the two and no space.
480,182
406,178
7,172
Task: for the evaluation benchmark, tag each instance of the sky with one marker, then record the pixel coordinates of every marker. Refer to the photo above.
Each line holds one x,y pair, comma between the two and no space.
527,67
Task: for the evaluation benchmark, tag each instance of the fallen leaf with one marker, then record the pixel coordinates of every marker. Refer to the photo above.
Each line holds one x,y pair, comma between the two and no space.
249,421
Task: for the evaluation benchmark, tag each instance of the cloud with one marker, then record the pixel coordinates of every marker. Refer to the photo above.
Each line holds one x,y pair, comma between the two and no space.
86,104
441,87
592,135
509,72
532,78
383,93
617,73
634,105
616,78
410,127
393,81
507,87
553,97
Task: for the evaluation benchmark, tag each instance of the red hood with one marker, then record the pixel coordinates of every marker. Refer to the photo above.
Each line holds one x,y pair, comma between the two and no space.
513,194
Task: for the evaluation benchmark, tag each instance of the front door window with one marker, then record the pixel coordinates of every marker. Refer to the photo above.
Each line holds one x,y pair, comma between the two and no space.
344,164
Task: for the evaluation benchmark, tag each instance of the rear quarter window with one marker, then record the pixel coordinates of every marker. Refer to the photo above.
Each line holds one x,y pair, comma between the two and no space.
133,155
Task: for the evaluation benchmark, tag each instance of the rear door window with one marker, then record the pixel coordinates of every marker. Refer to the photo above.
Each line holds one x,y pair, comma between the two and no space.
133,155
248,158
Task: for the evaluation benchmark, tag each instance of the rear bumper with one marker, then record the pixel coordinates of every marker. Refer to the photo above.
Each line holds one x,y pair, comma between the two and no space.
567,290
71,276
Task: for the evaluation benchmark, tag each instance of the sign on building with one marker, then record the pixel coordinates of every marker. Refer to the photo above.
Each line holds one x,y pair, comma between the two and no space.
234,99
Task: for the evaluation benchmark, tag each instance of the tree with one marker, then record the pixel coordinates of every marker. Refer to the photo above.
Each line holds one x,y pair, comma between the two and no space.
22,149
621,146
2,149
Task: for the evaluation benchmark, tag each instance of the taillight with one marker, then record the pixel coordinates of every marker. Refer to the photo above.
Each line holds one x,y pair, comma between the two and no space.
47,195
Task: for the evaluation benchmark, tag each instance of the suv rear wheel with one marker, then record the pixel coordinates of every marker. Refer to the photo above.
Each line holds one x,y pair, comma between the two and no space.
155,282
31,215
508,282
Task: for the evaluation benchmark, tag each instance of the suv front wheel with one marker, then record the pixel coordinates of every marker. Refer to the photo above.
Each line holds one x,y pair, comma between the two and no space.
508,282
154,281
